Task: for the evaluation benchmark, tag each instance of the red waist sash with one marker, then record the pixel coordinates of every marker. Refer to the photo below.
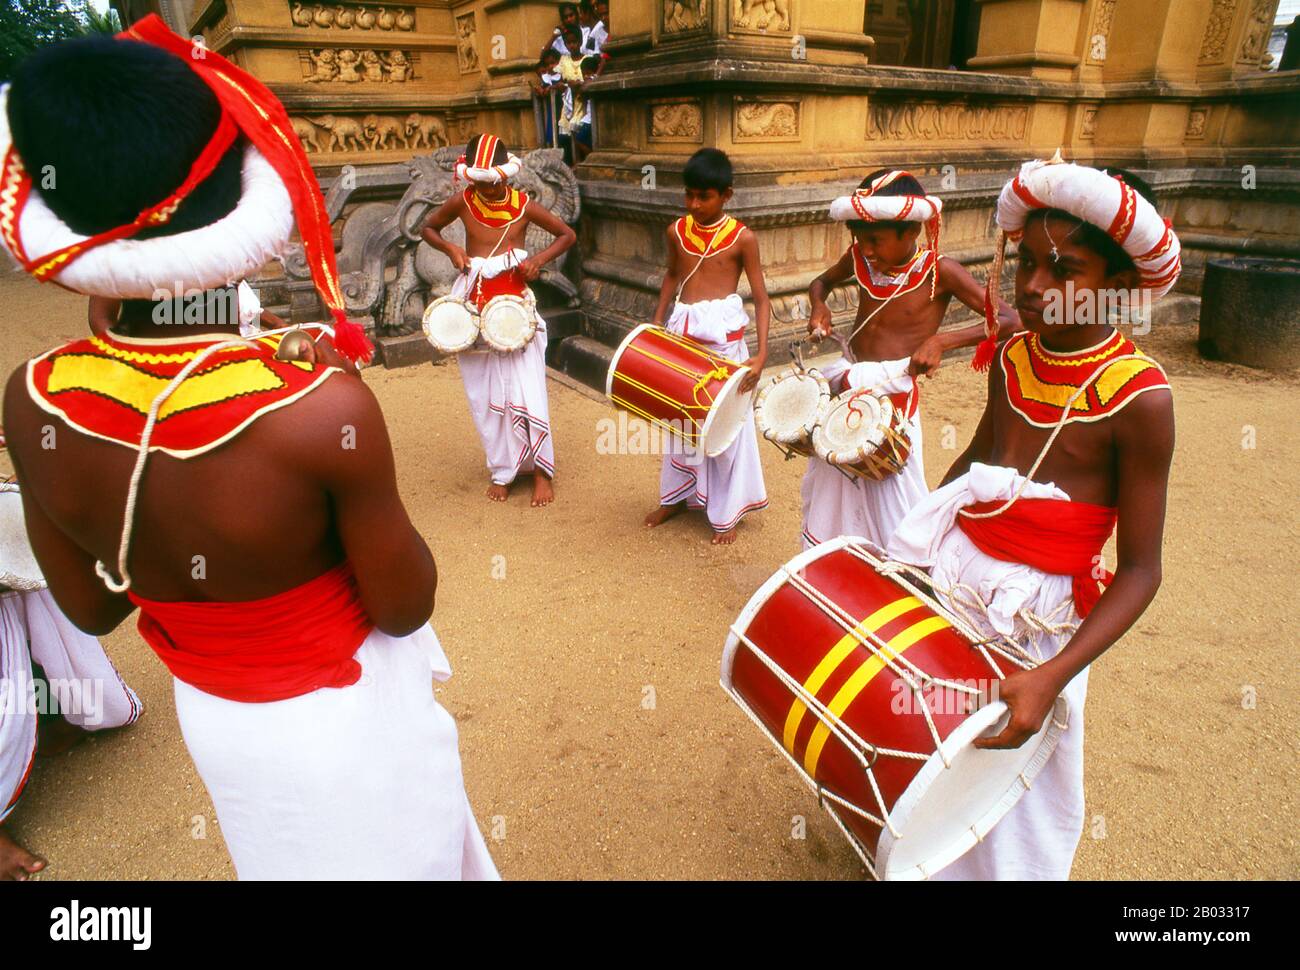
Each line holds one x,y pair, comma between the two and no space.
263,650
1056,536
509,283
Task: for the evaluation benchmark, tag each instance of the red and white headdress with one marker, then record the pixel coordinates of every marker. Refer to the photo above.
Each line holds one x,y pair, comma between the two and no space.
278,189
867,206
481,169
1094,196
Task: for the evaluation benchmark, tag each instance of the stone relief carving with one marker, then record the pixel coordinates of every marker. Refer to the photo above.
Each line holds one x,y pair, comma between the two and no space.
389,274
466,52
337,16
1196,119
323,134
761,14
682,15
1254,39
1216,32
1101,24
932,121
324,65
1088,128
676,120
756,120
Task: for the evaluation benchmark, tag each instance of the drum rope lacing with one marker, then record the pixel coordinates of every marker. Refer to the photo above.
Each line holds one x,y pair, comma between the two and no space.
718,372
142,452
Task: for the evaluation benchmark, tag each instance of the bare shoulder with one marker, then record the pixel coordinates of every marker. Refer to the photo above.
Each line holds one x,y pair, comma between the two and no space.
952,272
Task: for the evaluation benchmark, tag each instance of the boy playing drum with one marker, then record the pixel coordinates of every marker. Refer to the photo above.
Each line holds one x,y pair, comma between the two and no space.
904,291
506,392
707,250
1078,433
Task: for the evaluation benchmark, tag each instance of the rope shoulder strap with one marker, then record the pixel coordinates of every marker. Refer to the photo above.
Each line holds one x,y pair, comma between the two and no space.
113,584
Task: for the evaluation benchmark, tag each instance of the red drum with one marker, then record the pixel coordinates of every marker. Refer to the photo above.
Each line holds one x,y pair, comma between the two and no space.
864,681
681,386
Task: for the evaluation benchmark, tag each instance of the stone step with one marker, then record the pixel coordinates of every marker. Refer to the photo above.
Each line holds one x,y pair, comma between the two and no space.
585,360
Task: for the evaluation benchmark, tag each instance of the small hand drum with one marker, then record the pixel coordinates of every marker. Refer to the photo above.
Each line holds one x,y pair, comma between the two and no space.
451,324
863,434
789,408
18,566
509,322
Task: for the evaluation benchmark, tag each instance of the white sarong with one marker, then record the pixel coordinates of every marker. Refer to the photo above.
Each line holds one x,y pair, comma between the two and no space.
352,783
90,692
835,504
731,485
507,392
1038,837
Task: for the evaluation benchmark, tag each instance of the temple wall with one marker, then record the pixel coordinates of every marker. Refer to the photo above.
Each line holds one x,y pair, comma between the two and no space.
805,97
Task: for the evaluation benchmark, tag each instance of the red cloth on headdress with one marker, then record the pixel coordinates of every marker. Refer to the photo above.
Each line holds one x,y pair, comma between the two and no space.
1056,536
262,119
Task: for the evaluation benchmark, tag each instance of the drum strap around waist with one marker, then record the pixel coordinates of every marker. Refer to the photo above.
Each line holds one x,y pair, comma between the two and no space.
263,650
1056,536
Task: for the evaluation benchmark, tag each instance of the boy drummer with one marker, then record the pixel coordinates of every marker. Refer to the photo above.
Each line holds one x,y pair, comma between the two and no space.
903,292
707,251
506,392
275,571
1094,233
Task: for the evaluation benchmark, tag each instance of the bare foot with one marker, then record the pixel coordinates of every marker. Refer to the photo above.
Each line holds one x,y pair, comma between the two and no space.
54,735
498,493
662,514
16,863
725,538
543,490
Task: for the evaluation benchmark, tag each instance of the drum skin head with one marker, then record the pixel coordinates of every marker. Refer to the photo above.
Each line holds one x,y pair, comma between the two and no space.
848,434
788,408
947,810
18,566
451,325
727,418
508,323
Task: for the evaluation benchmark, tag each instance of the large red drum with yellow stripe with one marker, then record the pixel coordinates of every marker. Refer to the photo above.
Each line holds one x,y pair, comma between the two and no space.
867,684
681,386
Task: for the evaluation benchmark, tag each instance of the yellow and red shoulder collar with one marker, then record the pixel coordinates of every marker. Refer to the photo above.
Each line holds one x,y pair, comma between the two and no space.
496,215
698,240
105,386
1039,382
917,270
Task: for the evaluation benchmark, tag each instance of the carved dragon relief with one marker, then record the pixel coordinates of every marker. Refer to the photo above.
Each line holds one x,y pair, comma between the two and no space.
396,273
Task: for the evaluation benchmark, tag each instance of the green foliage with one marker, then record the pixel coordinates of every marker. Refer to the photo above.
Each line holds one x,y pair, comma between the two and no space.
26,25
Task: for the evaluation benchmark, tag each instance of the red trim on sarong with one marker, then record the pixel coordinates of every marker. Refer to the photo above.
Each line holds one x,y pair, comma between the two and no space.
263,650
1059,537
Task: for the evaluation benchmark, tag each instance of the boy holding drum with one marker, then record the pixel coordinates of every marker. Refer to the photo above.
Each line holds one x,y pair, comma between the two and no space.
904,291
707,250
1078,433
506,391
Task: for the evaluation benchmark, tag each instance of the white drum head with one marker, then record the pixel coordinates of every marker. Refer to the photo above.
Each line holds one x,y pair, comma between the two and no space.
945,811
850,429
509,322
18,566
788,407
727,416
450,324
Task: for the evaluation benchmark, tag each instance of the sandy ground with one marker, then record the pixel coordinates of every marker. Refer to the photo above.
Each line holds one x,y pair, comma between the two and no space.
596,741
